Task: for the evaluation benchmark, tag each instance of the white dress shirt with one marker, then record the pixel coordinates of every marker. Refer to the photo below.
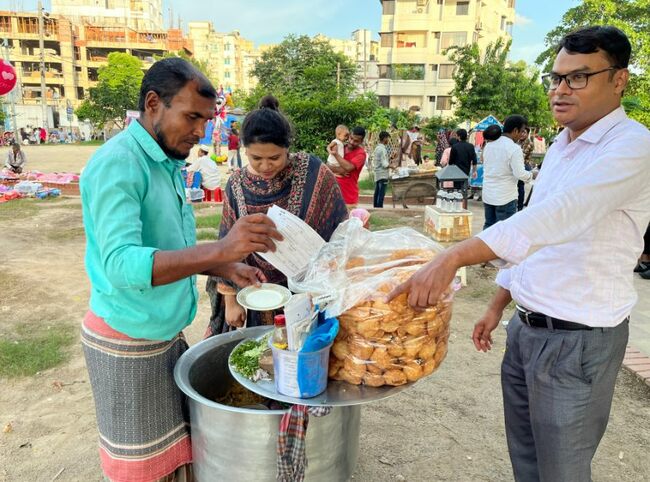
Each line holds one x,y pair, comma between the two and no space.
574,248
210,176
503,166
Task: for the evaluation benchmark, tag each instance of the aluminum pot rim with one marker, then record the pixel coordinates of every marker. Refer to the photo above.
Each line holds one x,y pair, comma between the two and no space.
187,360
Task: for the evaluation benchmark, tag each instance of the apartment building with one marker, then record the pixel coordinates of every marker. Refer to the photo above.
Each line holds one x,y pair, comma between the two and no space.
414,72
362,49
144,15
73,56
229,56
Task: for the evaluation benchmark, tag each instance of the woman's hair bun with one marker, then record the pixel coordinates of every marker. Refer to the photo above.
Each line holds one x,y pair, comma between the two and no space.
269,102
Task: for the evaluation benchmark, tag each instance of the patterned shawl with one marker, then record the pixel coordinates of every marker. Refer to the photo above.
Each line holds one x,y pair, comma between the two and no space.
306,188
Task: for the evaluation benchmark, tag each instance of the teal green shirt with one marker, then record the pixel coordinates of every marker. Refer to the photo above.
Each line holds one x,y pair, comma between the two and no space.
134,204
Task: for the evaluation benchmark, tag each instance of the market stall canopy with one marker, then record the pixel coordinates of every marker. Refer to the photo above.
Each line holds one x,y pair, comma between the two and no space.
487,122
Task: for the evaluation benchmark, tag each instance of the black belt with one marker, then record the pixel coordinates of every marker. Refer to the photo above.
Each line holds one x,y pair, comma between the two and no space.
540,320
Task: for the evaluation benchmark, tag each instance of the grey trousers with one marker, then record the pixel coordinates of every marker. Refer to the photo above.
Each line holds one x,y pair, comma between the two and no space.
557,394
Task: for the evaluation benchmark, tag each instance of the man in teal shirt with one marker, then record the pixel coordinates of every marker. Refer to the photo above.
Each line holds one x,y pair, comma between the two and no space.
142,261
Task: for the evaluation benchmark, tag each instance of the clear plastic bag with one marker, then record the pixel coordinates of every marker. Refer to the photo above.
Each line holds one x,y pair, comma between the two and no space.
378,343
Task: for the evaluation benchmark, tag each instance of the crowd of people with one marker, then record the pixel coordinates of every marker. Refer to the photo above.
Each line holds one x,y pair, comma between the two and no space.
561,260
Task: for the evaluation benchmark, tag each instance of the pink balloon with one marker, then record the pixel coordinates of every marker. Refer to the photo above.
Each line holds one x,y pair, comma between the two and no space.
7,77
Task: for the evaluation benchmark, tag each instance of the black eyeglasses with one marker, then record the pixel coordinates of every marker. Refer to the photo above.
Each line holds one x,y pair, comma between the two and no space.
575,81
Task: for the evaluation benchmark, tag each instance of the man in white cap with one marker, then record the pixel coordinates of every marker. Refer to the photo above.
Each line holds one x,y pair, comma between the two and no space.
210,176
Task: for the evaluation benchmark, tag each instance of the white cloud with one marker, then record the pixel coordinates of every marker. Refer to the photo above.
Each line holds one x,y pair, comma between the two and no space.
522,20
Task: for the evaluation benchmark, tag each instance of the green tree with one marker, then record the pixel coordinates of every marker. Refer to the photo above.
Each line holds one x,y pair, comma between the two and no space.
116,92
491,85
633,18
303,67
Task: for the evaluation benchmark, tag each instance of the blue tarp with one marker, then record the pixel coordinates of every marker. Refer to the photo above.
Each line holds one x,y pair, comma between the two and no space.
485,123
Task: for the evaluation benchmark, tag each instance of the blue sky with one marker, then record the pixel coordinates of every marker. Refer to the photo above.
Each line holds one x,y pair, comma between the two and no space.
268,21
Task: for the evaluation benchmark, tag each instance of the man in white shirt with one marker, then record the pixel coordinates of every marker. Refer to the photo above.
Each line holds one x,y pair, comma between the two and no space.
210,175
568,260
503,166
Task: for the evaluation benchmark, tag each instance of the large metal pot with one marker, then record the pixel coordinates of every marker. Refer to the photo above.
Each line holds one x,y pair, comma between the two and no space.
239,444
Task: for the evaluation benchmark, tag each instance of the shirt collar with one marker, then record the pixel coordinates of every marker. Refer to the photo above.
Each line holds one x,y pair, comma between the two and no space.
149,144
595,133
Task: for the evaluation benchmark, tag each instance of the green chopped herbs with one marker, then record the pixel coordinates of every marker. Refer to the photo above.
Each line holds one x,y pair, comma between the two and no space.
245,358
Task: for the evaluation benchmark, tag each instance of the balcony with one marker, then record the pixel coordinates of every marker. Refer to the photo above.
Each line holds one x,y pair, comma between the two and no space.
34,77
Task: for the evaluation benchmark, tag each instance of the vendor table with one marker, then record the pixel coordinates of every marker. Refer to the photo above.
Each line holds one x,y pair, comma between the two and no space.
416,186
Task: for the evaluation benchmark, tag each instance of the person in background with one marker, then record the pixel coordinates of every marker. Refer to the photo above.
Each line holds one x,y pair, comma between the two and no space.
210,175
415,149
380,167
297,182
643,266
351,165
233,149
442,143
527,149
567,262
463,154
16,159
444,160
342,134
141,259
43,135
503,166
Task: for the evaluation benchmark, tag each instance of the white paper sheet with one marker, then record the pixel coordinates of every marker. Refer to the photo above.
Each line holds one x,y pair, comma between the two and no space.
300,243
301,320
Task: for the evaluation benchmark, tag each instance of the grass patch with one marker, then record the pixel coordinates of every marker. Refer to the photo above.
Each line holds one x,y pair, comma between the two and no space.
378,223
201,206
206,235
367,186
28,355
67,234
210,221
18,209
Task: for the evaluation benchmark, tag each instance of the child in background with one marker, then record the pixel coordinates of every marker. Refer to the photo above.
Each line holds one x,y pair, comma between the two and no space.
233,149
342,133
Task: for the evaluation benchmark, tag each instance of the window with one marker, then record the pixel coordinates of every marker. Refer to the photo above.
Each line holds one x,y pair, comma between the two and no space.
408,72
384,100
462,8
509,28
226,47
388,7
443,102
384,72
386,39
511,3
432,99
453,39
446,71
434,67
226,61
226,75
503,23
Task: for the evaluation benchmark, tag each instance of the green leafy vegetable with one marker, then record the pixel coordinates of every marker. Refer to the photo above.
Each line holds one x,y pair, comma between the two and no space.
245,358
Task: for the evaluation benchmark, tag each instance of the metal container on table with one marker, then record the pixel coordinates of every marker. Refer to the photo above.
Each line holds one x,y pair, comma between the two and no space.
230,443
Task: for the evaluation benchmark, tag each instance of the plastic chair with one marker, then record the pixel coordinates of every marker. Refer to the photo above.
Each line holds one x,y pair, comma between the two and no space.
215,195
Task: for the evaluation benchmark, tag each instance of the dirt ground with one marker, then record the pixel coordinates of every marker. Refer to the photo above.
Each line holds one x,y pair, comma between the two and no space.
448,427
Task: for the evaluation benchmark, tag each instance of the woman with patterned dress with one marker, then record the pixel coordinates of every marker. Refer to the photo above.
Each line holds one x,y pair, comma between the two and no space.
299,183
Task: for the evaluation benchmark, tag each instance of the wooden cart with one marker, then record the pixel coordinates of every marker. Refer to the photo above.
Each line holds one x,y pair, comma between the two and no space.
415,186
